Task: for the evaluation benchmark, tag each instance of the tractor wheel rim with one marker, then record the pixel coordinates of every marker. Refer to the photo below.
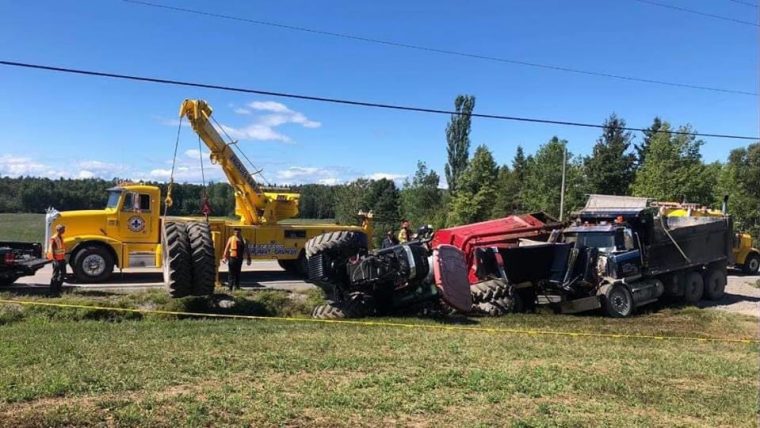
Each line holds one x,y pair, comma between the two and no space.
94,265
620,303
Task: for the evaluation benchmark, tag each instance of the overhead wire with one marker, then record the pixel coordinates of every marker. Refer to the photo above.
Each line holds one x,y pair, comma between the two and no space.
440,50
352,102
694,12
744,3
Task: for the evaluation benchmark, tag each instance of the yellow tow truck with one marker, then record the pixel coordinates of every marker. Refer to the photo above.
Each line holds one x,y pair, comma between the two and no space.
746,257
132,232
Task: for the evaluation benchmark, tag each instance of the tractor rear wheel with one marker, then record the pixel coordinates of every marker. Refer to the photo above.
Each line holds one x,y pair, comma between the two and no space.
498,307
341,243
203,258
177,263
752,264
490,290
356,305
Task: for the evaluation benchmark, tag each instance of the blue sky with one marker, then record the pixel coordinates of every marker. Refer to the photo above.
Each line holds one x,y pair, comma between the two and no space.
65,125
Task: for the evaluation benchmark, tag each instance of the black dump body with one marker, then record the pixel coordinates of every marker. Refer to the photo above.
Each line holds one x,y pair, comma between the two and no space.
703,240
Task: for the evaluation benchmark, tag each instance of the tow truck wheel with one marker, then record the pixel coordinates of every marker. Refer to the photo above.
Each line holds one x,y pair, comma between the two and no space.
93,264
618,302
693,288
715,284
176,259
752,264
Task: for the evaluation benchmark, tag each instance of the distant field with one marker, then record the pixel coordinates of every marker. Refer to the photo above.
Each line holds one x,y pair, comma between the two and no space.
77,367
22,227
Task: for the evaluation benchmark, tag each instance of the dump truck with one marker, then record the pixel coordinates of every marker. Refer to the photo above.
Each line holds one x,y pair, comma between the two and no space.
133,230
746,256
408,276
19,259
620,254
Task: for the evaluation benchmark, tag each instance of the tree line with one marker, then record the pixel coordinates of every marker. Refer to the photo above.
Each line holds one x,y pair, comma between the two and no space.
666,164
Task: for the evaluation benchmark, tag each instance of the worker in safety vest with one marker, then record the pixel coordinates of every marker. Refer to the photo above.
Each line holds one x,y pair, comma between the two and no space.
57,253
405,234
233,254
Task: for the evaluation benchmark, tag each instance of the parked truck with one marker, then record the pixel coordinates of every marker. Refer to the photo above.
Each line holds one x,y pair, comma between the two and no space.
19,259
620,254
133,231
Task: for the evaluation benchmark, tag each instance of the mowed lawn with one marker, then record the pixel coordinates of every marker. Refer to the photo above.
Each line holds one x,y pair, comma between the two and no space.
22,227
58,368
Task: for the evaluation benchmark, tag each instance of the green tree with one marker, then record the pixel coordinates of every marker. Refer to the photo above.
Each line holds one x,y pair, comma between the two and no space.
543,180
610,168
673,170
476,193
508,193
421,198
739,180
649,133
349,200
458,140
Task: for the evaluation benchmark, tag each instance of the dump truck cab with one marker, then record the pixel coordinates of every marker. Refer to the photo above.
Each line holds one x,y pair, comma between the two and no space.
125,233
617,254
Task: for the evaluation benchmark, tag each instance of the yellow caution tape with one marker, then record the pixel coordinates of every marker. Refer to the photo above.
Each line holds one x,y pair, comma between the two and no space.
392,324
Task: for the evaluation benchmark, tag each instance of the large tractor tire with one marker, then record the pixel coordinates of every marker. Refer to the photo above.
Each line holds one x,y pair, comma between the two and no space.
490,290
177,263
299,266
694,288
93,263
751,264
356,305
203,258
498,307
715,283
340,243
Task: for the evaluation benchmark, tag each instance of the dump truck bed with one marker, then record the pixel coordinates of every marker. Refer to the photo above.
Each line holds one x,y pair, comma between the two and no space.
703,241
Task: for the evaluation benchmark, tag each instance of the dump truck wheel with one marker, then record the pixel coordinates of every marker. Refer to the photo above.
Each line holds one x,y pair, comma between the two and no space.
694,288
715,284
341,243
203,258
490,290
356,305
93,264
618,301
752,264
177,263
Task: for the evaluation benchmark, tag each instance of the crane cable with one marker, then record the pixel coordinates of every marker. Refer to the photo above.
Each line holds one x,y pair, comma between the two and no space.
233,144
168,201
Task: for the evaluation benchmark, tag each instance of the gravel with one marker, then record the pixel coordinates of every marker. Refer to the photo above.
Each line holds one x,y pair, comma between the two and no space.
742,296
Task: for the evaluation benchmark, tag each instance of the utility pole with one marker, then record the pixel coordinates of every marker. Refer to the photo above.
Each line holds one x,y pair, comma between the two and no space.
562,189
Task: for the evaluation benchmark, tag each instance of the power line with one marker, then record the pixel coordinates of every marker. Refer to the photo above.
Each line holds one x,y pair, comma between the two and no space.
343,101
696,12
441,51
744,3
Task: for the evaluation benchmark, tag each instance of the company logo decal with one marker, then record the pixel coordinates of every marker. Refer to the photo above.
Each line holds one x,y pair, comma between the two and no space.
136,223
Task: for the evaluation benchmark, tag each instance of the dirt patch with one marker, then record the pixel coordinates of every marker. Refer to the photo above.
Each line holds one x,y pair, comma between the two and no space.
742,296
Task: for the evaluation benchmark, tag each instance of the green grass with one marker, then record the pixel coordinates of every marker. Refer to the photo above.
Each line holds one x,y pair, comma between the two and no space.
84,367
22,227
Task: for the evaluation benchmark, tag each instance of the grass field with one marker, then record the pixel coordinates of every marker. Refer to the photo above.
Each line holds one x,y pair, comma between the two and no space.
80,367
22,227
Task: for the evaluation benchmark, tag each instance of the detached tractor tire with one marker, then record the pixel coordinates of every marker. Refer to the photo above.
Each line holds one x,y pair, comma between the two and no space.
177,262
617,301
203,258
694,288
752,264
339,243
93,263
356,305
490,290
715,284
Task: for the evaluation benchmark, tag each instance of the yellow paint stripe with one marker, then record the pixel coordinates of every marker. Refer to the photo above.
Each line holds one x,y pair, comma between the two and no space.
394,324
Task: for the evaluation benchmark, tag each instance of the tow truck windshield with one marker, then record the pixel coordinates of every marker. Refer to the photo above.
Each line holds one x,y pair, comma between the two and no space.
113,198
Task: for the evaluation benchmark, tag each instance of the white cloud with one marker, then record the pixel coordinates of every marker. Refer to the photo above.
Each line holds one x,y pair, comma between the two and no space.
85,174
386,175
14,166
329,181
272,106
194,153
240,110
160,173
255,132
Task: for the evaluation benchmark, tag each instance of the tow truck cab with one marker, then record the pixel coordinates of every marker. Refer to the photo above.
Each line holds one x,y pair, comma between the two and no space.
125,233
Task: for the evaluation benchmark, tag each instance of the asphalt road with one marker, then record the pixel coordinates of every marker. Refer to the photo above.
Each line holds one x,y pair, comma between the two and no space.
261,274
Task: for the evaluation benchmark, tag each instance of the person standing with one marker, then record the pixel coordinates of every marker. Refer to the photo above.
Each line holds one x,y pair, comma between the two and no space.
405,234
389,240
57,253
234,251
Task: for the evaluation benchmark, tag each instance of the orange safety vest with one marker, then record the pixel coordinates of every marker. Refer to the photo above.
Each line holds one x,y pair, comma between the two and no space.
233,241
59,253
